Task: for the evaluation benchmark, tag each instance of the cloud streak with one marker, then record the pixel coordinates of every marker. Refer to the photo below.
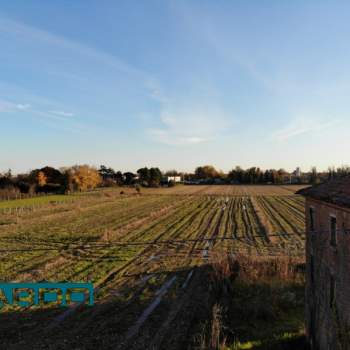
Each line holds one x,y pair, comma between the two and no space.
300,127
54,119
22,106
189,126
62,113
48,47
20,30
7,106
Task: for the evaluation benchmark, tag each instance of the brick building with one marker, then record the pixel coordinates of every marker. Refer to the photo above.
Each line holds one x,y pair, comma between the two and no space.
328,264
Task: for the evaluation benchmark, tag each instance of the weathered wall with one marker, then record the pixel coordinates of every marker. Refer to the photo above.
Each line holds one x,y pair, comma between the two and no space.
328,327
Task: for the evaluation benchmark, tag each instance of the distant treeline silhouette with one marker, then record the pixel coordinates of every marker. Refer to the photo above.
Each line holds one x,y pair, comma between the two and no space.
85,177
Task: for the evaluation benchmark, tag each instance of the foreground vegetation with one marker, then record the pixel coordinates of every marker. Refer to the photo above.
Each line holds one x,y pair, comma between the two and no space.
151,257
256,303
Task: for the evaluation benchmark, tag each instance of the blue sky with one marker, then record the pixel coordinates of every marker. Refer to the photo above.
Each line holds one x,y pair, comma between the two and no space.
174,84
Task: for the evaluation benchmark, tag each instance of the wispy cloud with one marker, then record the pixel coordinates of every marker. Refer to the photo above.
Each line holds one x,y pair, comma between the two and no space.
170,137
22,106
62,113
88,66
189,126
203,27
7,106
54,119
301,126
63,123
21,30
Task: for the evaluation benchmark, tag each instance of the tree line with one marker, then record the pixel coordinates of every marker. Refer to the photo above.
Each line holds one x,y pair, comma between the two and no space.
77,178
50,180
85,177
256,175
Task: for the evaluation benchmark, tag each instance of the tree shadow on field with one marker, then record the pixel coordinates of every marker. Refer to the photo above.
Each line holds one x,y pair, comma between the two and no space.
106,324
229,303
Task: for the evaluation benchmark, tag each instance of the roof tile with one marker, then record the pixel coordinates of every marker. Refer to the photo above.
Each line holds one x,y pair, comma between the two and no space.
335,191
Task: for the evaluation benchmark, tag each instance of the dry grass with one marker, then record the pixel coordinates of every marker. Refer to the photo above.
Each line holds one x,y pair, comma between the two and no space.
257,303
215,338
266,269
255,268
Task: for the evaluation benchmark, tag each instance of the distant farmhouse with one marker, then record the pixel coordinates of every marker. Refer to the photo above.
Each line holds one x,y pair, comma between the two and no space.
328,264
175,179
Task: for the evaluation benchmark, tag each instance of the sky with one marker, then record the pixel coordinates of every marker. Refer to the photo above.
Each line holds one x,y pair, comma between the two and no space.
174,84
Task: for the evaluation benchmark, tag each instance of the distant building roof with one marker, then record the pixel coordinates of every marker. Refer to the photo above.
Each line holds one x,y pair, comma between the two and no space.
335,191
